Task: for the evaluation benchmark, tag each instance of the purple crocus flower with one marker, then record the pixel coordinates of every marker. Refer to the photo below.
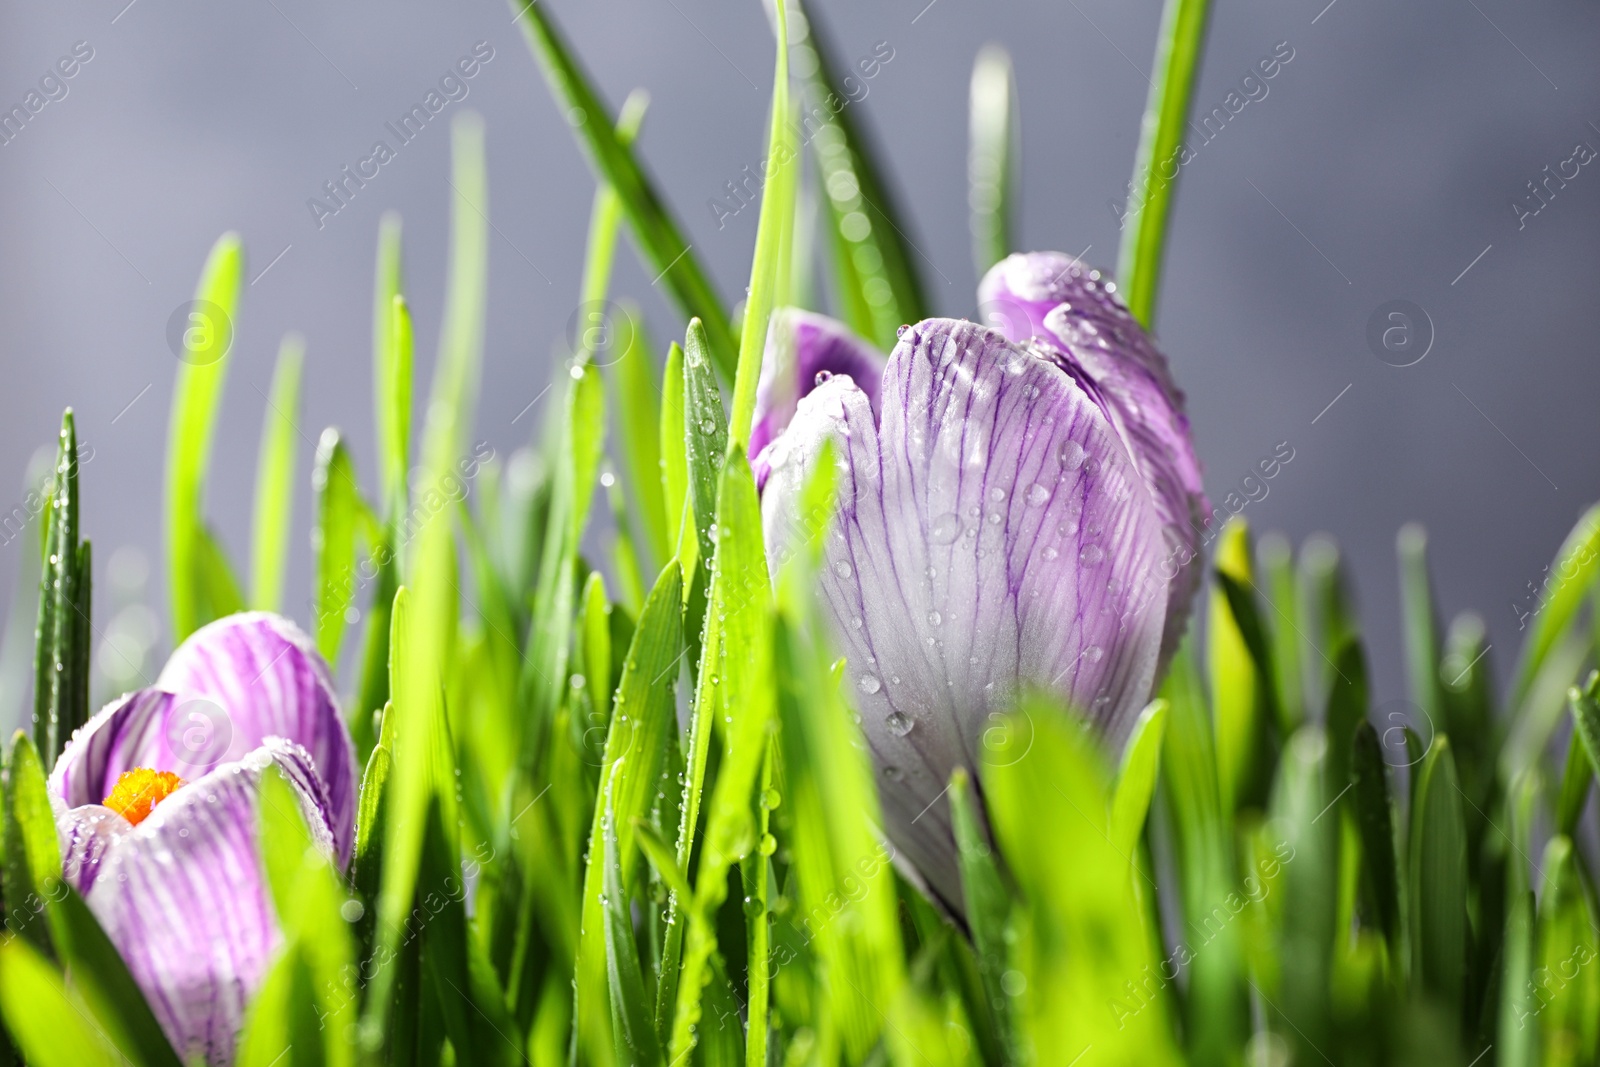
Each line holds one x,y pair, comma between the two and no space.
1013,512
156,804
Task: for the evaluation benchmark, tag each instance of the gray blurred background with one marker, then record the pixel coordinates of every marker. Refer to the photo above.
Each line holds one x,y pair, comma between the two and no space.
1381,165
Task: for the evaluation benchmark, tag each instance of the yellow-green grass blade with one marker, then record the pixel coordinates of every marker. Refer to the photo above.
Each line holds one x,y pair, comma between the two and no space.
274,512
196,396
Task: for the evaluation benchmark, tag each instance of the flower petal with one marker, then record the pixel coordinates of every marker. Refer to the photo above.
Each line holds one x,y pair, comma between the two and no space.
1055,298
87,835
801,345
184,898
993,533
248,677
122,735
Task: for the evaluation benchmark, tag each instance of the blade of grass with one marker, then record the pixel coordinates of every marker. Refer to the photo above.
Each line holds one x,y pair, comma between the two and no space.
61,638
417,775
1438,881
32,861
774,239
1177,68
992,129
876,281
50,1023
659,235
988,903
339,515
391,368
196,396
280,429
1575,569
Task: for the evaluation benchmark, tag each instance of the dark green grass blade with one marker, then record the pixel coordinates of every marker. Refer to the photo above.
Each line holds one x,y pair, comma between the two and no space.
1568,580
876,278
1183,31
1373,807
62,634
1438,881
660,238
988,903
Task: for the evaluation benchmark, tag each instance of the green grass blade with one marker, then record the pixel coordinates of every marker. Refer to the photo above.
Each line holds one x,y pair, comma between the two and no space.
1326,618
706,434
1420,622
196,396
674,449
1347,710
636,744
734,682
660,238
1136,779
774,239
1307,844
1568,1008
631,1018
1518,1024
1277,566
1437,881
280,433
992,135
988,903
1080,931
339,512
46,1018
1373,807
594,333
877,288
391,368
1161,149
61,678
422,660
639,408
32,861
1554,605
1243,690
101,977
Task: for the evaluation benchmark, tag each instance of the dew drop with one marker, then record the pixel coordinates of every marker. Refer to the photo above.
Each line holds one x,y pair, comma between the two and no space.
855,622
1050,553
894,774
1072,455
707,426
934,618
1092,554
1037,495
869,684
769,844
823,376
944,528
842,569
898,724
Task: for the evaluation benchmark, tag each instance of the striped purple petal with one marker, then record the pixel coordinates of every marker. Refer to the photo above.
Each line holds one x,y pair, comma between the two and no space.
803,348
993,533
184,898
248,677
1055,298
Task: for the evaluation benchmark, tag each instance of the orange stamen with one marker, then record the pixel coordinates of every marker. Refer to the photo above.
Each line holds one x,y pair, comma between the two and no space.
138,791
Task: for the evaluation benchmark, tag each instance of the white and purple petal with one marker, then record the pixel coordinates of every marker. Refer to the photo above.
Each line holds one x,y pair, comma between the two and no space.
993,533
184,898
1055,298
803,350
248,677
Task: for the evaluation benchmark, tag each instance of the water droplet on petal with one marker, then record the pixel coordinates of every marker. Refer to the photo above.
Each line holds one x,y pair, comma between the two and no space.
869,684
855,622
1050,553
934,618
893,773
898,724
842,569
1037,495
1092,554
944,529
1072,455
823,376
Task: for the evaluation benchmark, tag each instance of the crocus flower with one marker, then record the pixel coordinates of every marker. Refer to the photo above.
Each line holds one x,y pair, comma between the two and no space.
1014,511
156,803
